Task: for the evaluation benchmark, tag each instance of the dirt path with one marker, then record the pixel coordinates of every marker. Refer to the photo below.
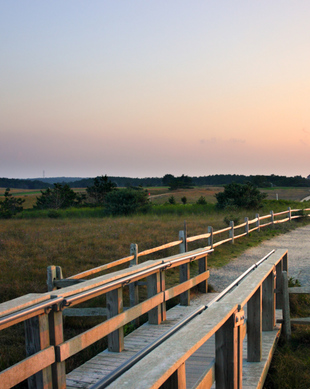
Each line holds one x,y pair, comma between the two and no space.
298,244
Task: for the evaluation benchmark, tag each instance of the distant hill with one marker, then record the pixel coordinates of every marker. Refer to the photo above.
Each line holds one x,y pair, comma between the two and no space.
214,180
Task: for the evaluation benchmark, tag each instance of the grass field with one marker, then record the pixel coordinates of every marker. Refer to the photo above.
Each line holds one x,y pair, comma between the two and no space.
28,246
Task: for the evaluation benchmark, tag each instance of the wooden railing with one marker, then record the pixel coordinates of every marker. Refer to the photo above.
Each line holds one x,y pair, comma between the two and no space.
43,316
262,291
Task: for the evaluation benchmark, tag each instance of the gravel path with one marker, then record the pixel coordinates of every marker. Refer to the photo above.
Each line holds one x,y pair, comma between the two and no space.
298,244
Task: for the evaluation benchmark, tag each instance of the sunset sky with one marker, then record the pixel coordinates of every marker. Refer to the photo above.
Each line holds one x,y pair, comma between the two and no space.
145,88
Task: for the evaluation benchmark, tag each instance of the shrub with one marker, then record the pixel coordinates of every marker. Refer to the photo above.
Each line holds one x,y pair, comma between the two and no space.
60,197
10,206
239,195
127,202
201,201
171,200
184,200
97,192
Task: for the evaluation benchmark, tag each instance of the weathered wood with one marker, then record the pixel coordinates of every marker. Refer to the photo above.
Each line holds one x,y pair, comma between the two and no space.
202,268
177,380
162,247
198,237
279,296
286,307
226,356
257,222
184,271
246,225
63,283
85,312
162,275
272,218
254,327
269,302
134,286
51,277
178,289
22,302
207,379
210,239
72,346
301,320
56,338
37,339
26,368
114,307
153,288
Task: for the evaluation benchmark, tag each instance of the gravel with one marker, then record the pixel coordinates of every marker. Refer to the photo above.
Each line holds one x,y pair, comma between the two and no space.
297,242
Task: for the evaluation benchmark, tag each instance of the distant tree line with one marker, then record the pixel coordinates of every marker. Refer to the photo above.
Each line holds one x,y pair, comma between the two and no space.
170,180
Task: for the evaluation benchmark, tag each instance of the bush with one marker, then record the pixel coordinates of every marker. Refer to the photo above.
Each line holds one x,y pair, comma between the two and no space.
97,192
239,195
10,206
184,200
127,202
60,197
201,201
171,200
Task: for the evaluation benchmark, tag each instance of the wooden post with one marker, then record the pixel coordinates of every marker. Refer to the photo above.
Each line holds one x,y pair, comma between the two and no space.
37,338
55,319
246,219
227,357
53,273
254,327
272,218
114,307
257,222
133,287
177,380
286,307
289,214
279,286
269,302
163,288
184,272
202,267
210,239
153,287
232,231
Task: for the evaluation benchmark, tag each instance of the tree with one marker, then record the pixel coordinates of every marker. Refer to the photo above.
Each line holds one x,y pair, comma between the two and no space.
10,206
126,202
61,196
98,191
241,196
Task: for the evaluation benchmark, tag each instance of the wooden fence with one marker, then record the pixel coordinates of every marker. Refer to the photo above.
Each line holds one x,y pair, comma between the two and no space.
42,314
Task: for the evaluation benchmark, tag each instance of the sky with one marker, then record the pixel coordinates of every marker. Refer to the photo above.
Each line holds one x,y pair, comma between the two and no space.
148,88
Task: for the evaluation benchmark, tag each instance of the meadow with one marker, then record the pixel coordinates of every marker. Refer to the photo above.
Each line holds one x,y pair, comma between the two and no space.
81,239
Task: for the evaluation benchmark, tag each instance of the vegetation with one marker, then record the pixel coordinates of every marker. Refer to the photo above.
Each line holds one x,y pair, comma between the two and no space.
10,206
240,196
60,197
182,182
127,202
98,191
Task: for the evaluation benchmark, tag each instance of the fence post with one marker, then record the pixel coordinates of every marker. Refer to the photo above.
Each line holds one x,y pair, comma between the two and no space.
289,214
257,222
37,338
153,288
254,327
269,302
246,219
55,319
279,286
184,271
210,239
272,218
286,307
114,307
133,287
53,273
176,380
232,231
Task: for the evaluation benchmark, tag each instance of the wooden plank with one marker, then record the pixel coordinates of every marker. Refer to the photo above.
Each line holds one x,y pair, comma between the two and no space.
153,288
202,268
115,307
56,338
79,342
268,301
184,271
198,237
162,247
177,380
178,289
286,306
254,327
102,267
36,339
301,320
22,302
28,367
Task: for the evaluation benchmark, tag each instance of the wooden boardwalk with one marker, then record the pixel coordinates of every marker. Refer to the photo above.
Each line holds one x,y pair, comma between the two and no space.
196,366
